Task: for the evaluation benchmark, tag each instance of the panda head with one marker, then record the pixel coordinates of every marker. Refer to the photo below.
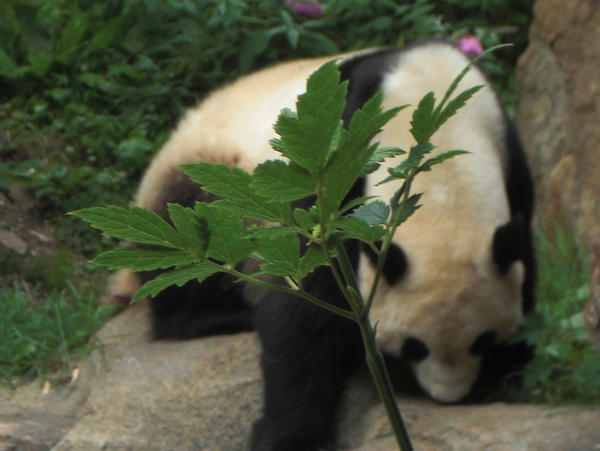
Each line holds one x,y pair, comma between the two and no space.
442,304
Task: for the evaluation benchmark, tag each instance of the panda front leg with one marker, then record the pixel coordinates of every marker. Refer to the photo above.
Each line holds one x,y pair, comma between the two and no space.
307,353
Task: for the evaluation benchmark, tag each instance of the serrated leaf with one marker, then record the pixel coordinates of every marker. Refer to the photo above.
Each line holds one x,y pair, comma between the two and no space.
282,182
423,119
406,209
376,212
179,277
359,229
416,154
192,230
235,187
355,151
312,258
228,242
380,154
133,224
311,137
143,259
256,232
277,145
281,254
304,218
440,159
355,203
454,105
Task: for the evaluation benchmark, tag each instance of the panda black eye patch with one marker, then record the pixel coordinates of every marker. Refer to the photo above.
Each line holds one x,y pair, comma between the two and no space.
414,349
395,264
483,343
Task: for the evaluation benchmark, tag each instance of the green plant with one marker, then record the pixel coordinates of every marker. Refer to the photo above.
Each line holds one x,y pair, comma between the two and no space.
42,337
566,365
107,80
325,161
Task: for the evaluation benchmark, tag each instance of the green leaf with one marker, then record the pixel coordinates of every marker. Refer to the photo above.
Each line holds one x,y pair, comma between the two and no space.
72,34
238,192
192,229
376,212
357,201
133,224
107,35
260,232
405,210
252,46
305,219
440,159
359,229
423,119
380,155
7,66
228,242
281,254
416,154
282,182
179,277
454,105
143,259
355,151
40,61
311,137
312,258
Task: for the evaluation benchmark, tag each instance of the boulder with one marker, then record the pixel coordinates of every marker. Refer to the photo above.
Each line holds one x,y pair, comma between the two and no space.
139,394
558,110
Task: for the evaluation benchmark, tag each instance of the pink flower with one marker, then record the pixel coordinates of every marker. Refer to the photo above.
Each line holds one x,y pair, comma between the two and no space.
470,45
308,8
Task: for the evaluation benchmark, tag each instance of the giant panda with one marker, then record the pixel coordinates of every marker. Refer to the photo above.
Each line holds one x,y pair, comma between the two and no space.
459,276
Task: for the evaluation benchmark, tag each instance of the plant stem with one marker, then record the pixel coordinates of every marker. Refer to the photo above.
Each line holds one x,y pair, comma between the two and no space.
295,291
383,383
374,357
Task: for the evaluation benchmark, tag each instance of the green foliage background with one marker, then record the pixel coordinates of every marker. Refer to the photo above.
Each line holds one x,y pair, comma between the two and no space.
90,90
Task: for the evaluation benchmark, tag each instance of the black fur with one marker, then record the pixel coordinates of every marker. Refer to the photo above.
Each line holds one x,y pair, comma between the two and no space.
395,265
217,305
508,244
520,192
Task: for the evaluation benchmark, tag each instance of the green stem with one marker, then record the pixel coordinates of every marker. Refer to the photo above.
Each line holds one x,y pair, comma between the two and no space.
383,383
388,239
296,292
374,358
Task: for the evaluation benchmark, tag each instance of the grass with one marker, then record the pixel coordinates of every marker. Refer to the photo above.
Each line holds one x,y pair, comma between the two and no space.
39,337
566,366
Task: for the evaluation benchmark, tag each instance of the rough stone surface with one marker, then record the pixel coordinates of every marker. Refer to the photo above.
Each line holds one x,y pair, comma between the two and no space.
591,313
200,394
139,394
13,242
558,110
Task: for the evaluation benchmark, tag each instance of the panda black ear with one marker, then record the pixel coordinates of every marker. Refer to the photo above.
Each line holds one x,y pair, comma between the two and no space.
508,244
395,265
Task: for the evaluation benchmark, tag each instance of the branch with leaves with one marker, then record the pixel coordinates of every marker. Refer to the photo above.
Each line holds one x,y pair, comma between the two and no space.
320,159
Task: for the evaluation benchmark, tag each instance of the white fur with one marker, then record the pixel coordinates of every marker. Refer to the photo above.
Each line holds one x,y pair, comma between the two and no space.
452,291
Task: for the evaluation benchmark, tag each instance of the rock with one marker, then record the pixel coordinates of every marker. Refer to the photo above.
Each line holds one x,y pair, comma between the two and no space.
139,394
558,109
197,394
13,242
31,420
591,313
